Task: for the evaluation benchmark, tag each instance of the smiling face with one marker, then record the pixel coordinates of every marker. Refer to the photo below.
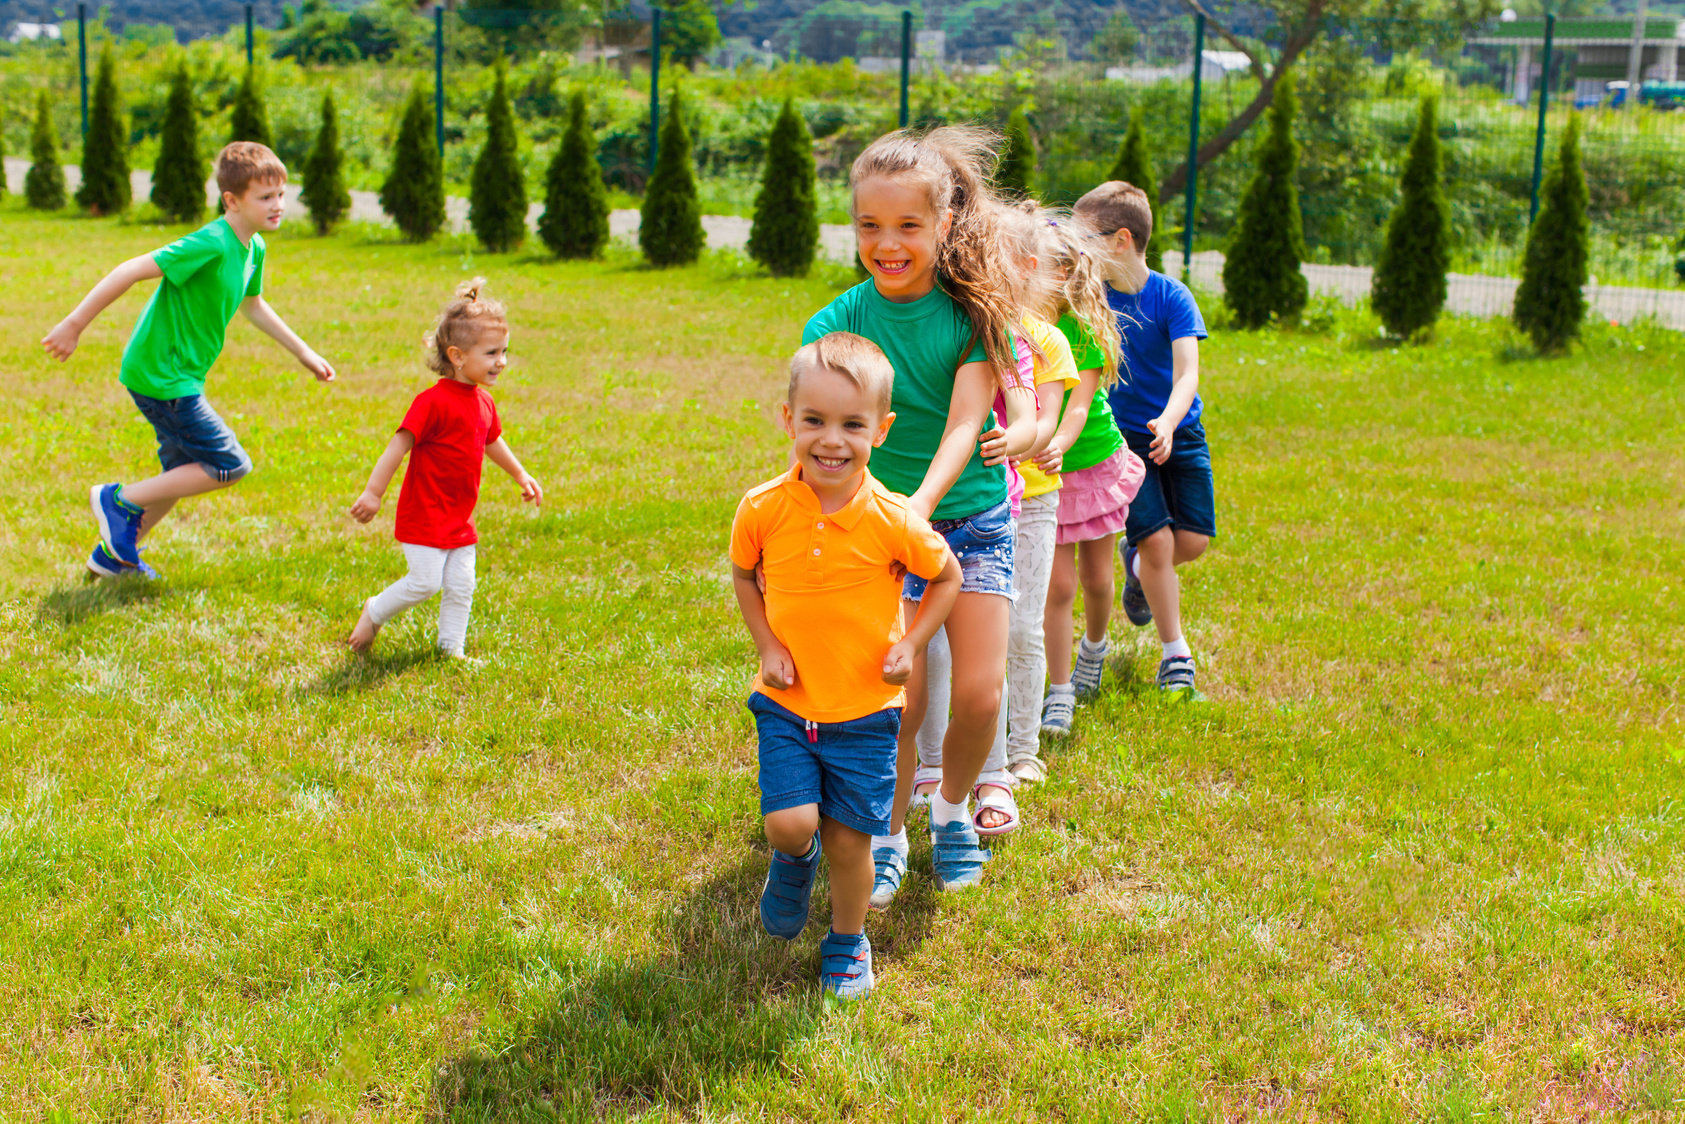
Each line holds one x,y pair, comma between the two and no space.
484,361
835,425
898,235
260,207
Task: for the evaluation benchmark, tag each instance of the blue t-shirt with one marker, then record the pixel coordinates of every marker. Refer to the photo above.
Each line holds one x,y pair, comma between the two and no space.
1148,321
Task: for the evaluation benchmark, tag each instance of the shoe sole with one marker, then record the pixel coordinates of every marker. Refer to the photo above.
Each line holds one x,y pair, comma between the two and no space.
104,526
1056,731
946,887
100,571
834,997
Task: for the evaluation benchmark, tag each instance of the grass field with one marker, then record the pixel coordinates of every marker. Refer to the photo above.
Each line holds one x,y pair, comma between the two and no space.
1417,857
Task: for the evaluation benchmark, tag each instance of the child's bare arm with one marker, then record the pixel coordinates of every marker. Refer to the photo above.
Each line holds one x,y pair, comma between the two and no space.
778,670
367,505
500,454
62,340
1184,384
1070,428
974,389
1019,436
1049,397
934,607
269,322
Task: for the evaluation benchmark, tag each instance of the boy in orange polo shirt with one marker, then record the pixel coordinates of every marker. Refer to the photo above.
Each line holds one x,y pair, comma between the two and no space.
829,539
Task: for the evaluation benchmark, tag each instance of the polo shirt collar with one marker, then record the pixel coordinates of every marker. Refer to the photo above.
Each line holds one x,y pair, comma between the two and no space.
844,517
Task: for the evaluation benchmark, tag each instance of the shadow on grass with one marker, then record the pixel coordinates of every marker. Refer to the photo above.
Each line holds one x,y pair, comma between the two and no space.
360,672
721,1001
75,604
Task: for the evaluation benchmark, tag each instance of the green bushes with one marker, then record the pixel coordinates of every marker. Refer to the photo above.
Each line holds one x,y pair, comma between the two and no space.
324,173
1408,289
497,208
1135,165
1018,161
105,186
785,235
575,219
43,187
250,120
414,192
1551,303
178,179
1261,277
670,229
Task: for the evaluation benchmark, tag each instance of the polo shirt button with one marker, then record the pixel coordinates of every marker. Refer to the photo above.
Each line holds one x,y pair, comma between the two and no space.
821,526
816,550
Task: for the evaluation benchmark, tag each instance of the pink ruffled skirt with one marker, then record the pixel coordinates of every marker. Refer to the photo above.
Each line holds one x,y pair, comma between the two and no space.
1094,502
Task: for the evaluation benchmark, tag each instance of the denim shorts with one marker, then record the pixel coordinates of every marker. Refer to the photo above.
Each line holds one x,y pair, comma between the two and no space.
1177,493
847,768
983,545
190,432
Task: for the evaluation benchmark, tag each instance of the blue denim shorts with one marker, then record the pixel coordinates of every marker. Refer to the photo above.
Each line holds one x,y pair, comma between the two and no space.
1177,493
847,768
983,545
190,432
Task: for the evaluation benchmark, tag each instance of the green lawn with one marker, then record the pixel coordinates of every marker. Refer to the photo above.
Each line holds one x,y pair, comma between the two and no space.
1418,856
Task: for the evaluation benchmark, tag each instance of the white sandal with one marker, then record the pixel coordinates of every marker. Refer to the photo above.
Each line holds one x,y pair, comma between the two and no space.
924,774
1028,770
999,799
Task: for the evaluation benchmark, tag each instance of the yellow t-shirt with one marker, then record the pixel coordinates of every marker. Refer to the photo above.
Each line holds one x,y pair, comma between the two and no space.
1058,366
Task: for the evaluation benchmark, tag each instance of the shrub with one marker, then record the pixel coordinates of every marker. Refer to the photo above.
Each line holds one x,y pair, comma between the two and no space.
1261,277
1018,163
1408,290
414,191
43,187
1551,302
497,207
250,120
785,235
1135,165
2,158
178,179
105,186
575,219
670,226
324,173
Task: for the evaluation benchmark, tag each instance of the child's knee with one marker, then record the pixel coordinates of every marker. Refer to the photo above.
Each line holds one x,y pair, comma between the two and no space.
1159,547
791,829
977,699
423,585
1190,545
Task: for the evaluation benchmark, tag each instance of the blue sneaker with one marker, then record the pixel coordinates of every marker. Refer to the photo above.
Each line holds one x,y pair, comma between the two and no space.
845,965
1176,673
1057,710
1135,605
955,858
788,892
1090,668
119,523
102,563
889,868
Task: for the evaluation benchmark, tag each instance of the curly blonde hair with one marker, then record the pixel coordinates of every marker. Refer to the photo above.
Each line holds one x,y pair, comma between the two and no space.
1074,251
468,316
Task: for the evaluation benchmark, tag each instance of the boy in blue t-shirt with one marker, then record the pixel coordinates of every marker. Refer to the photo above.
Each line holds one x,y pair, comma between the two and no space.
1156,404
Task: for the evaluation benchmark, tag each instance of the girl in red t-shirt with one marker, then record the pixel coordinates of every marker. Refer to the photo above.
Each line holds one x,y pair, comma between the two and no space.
449,429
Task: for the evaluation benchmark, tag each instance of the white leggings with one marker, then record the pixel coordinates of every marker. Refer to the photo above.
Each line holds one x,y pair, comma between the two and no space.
447,572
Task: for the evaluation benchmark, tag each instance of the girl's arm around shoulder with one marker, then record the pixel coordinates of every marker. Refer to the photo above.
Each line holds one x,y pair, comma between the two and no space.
500,454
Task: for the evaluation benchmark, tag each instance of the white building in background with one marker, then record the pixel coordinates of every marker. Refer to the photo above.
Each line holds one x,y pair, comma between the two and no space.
1604,50
1213,62
22,31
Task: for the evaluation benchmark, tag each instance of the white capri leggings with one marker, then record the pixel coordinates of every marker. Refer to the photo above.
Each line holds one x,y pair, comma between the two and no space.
449,573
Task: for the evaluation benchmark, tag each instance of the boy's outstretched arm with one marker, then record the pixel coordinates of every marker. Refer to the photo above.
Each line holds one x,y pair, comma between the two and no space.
62,340
778,670
500,454
1184,384
269,322
934,607
367,505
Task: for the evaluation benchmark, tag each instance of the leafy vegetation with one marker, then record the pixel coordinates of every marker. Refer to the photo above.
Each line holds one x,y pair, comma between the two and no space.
1135,166
1550,304
575,219
1409,283
105,186
785,235
670,225
178,178
43,186
414,192
497,208
1015,173
324,190
1262,282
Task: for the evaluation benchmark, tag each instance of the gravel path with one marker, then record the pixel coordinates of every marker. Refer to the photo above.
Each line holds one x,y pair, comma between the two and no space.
1469,294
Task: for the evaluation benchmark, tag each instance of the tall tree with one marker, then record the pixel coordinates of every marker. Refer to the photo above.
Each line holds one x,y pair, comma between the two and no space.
1408,290
690,30
414,191
43,187
1261,276
105,186
575,219
670,226
178,179
1017,165
785,235
1550,304
324,173
250,120
497,208
1135,166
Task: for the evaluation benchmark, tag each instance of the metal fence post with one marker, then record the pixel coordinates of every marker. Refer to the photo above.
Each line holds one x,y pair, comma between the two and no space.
1544,105
82,60
1192,192
248,36
906,60
654,88
439,77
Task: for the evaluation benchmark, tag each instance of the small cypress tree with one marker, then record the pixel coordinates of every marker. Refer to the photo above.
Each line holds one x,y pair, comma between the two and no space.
785,235
1135,165
497,207
1261,278
105,186
1408,290
414,192
670,225
43,187
324,173
1551,302
250,120
575,219
178,179
1018,163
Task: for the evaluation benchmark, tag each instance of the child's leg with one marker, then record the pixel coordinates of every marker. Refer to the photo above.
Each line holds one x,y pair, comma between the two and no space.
906,746
977,638
791,830
848,854
176,484
1057,624
457,598
1032,568
153,515
938,679
427,566
1158,555
1094,570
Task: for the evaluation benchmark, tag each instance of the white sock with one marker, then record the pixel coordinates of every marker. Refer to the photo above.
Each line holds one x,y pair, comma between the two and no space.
1177,647
1135,565
943,812
1093,649
896,842
1061,689
812,850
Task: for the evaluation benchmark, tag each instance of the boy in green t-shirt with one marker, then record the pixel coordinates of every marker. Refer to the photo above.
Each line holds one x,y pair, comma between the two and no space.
206,277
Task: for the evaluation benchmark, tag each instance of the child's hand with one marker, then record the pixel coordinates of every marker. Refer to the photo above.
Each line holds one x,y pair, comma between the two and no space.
778,670
1164,436
366,507
994,446
530,491
62,340
316,365
898,664
1051,459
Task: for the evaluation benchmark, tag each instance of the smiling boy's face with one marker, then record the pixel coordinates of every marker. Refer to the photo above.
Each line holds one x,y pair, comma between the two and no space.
262,205
835,426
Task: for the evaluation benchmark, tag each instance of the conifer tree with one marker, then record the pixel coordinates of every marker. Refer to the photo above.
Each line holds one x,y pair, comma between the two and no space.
785,234
1261,277
1135,166
250,120
324,173
1551,302
1018,163
105,186
2,158
1408,290
575,219
497,207
414,192
178,179
670,226
43,187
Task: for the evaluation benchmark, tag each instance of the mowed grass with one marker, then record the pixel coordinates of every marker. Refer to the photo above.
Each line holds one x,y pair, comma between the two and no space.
1417,856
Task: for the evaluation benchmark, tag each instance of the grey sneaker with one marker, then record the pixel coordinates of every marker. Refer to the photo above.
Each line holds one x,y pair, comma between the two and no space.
1056,712
1135,605
1090,668
1176,674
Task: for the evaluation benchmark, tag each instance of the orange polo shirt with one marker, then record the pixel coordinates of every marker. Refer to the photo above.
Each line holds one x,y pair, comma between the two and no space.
831,597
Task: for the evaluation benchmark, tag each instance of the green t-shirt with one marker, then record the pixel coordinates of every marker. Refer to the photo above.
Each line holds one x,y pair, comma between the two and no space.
1099,438
925,341
206,276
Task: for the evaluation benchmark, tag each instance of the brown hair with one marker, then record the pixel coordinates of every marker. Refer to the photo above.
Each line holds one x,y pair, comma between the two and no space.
953,164
462,323
1116,205
1073,250
855,358
243,163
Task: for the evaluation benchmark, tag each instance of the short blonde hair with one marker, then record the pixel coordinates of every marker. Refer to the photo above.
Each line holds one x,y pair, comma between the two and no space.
243,163
855,358
468,316
1116,205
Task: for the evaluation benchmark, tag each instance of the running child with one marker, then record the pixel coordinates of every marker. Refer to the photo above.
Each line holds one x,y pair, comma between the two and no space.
925,223
449,431
828,539
1174,516
206,277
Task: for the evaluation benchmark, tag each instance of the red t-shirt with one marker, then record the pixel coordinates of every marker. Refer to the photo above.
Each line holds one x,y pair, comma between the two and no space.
452,423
